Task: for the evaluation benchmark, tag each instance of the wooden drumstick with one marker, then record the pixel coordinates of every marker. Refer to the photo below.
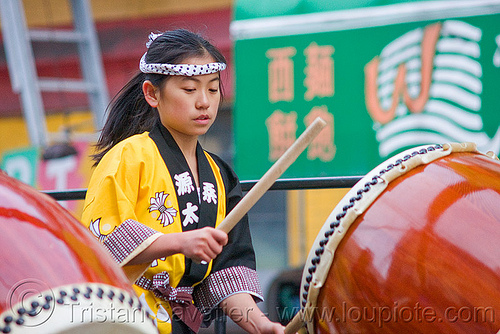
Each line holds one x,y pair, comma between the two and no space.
295,324
279,167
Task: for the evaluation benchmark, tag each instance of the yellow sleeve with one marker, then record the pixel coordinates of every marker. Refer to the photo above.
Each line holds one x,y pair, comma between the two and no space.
112,192
110,205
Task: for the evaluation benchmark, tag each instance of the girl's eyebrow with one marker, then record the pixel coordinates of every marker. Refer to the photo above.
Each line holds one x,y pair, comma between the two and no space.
185,78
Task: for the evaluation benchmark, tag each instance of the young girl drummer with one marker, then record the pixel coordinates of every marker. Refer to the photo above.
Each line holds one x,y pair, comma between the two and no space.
156,195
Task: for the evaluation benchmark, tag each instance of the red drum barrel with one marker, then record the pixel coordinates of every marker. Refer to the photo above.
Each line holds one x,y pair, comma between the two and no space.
414,247
55,276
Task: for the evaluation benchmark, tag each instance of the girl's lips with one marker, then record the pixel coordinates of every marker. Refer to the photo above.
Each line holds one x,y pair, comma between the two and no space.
202,119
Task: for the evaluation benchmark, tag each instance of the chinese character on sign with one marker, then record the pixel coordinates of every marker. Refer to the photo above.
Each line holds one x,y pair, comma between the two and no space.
319,71
282,132
280,72
322,146
496,55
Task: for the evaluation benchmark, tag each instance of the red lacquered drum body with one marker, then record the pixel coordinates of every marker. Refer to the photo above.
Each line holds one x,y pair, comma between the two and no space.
55,277
422,256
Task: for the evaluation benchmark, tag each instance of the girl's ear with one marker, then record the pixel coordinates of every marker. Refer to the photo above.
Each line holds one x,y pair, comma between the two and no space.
150,93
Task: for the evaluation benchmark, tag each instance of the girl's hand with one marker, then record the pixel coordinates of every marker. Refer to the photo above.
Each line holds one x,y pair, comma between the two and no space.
203,244
253,321
269,327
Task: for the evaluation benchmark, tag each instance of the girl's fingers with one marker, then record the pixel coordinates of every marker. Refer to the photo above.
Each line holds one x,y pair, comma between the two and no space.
205,244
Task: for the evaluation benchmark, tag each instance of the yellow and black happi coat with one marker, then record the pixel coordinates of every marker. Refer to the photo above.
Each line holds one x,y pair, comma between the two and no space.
143,188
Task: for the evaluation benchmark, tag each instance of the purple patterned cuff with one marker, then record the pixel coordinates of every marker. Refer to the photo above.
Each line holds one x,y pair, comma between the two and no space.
127,238
224,283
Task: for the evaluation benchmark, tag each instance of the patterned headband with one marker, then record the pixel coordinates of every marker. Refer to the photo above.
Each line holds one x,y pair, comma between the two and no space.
180,69
177,69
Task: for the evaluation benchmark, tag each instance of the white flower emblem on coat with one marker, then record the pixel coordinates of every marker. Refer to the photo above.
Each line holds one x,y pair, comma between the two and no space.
184,183
167,215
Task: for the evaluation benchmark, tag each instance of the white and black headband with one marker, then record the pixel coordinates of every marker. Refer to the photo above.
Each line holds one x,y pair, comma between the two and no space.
177,69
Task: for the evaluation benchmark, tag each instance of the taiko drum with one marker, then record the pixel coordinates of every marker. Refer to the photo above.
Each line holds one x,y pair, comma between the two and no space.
55,276
412,248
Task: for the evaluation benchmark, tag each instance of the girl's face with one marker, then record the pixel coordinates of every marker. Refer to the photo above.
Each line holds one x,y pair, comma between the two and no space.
188,105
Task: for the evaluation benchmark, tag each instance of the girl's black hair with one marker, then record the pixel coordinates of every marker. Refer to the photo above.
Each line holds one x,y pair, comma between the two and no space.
128,111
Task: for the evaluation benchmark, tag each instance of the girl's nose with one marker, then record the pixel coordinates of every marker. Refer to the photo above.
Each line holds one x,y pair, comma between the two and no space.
202,102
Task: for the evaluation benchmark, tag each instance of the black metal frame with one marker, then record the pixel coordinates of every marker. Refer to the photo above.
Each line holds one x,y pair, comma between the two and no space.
280,184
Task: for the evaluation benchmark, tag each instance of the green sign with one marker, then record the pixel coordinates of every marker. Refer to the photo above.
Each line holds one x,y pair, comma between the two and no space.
21,164
385,79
